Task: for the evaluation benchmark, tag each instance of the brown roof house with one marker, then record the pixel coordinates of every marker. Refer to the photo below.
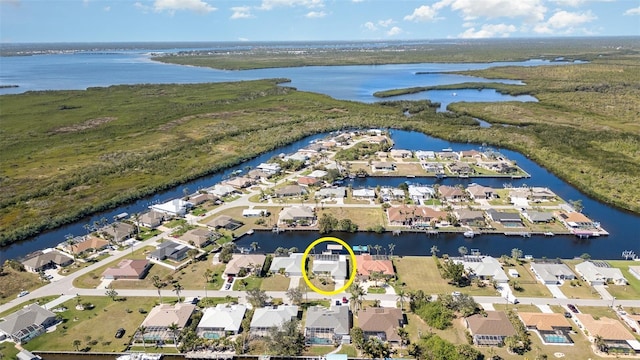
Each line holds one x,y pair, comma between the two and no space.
451,193
470,217
290,190
159,319
244,263
309,181
614,334
128,269
552,328
367,264
46,259
302,215
90,243
118,231
381,322
224,221
491,329
414,216
151,219
199,237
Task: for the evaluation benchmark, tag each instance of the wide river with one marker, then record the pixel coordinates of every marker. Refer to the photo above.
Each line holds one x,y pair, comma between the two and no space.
357,83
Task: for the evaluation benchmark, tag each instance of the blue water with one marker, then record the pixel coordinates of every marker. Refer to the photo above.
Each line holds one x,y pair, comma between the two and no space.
82,70
556,339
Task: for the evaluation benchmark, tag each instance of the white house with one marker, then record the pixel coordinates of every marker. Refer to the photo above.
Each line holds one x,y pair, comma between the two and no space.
269,168
417,193
484,267
364,193
334,265
290,266
552,274
222,190
425,155
271,317
220,321
175,207
600,273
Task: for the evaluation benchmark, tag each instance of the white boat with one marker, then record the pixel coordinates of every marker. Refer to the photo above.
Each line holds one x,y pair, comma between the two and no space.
454,94
139,356
469,234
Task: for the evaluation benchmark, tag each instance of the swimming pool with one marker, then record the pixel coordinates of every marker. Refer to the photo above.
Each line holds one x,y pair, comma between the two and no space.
556,339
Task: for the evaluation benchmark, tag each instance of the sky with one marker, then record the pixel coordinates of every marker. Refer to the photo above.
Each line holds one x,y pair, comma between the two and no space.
310,20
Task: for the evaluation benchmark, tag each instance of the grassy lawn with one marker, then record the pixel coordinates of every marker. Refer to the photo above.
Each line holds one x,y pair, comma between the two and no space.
92,279
349,350
12,282
530,286
275,282
213,301
155,350
408,168
518,307
98,324
421,273
329,286
365,217
251,282
318,350
249,223
8,351
627,292
376,290
598,311
578,289
417,327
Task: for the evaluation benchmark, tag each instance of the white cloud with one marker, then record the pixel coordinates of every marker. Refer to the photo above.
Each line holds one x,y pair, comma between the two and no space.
564,21
423,13
107,8
386,23
241,12
270,4
529,10
357,1
199,6
243,39
142,7
370,26
394,31
316,14
633,11
488,31
576,3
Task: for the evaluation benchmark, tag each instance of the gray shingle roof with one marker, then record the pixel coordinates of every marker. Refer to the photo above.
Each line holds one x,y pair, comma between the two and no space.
273,316
31,315
336,317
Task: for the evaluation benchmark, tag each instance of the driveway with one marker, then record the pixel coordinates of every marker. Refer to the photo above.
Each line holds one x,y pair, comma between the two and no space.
602,290
556,292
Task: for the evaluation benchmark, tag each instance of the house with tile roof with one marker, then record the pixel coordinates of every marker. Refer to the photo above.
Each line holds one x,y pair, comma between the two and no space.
244,263
46,259
491,329
161,317
27,323
553,328
128,269
414,216
451,193
199,237
270,317
600,273
291,190
381,322
481,192
86,244
297,214
612,331
151,219
552,274
309,181
119,231
470,217
367,264
220,321
327,326
224,221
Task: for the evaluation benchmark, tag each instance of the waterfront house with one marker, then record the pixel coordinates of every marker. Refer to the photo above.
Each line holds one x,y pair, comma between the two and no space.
367,264
368,194
86,244
151,219
318,174
470,154
118,231
490,330
269,168
159,320
258,174
46,259
332,265
477,192
244,263
414,216
327,326
552,274
220,321
553,328
425,155
470,217
614,334
576,220
538,216
175,207
299,156
297,214
382,166
539,194
290,190
483,267
266,318
288,265
400,154
309,181
331,193
377,139
200,198
448,155
169,250
431,167
382,323
225,222
388,194
128,269
199,237
27,323
418,193
460,168
239,182
451,193
507,219
222,190
600,273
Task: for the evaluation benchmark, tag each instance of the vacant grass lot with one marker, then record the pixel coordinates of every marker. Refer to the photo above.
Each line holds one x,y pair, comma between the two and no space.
98,324
363,217
421,273
530,286
626,292
12,282
579,290
275,282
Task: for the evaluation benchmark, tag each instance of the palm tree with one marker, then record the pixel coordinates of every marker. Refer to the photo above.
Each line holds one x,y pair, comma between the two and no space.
142,330
174,329
463,250
378,248
87,227
71,243
177,288
76,344
402,296
136,218
254,246
392,247
207,275
158,284
600,343
434,250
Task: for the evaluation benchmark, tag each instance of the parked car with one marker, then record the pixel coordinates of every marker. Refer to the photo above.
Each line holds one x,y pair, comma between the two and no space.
345,300
230,279
23,293
567,314
120,333
573,308
227,286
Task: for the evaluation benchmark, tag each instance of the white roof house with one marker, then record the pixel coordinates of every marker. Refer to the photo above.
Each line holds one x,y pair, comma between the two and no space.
27,323
421,154
221,320
318,174
484,267
297,213
269,168
332,264
254,212
336,193
599,275
420,192
292,265
222,190
364,193
270,317
552,273
175,207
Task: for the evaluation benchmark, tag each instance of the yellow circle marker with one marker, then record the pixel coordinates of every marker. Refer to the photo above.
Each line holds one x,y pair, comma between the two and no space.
352,256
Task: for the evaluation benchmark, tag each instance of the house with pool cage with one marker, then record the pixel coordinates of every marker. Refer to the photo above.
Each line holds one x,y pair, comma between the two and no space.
159,320
328,326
